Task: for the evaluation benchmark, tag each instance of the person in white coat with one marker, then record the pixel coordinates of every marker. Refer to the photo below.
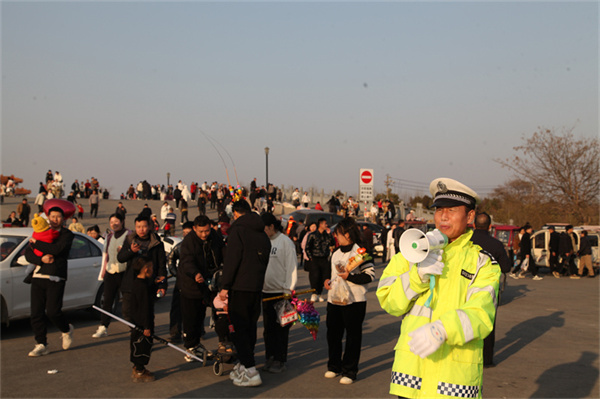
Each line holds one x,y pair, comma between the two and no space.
391,249
280,279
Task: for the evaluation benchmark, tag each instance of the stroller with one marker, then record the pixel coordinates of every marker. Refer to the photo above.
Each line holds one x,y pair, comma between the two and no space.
225,354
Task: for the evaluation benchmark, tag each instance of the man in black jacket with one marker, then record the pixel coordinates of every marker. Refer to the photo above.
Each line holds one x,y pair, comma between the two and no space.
585,255
525,248
200,256
246,258
48,283
495,248
143,242
567,252
554,247
318,248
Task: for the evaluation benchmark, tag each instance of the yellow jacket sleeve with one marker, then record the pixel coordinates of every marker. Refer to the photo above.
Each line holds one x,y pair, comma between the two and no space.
399,286
475,318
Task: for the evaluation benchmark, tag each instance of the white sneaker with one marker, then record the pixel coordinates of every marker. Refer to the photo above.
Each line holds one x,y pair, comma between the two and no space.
39,350
314,298
67,338
321,298
236,371
190,359
100,332
331,374
512,275
346,380
538,278
247,378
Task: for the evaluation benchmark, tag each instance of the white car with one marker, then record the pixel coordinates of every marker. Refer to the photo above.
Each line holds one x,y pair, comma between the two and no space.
81,291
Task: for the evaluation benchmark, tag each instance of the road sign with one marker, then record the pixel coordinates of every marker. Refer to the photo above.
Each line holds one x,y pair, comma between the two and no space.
365,185
366,176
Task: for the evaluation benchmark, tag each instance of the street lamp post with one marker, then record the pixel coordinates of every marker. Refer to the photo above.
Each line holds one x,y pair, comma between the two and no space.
168,177
267,164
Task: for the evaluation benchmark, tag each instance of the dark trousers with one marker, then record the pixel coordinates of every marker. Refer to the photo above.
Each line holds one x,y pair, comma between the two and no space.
554,265
244,311
202,208
112,287
346,319
47,300
222,328
568,264
319,271
275,336
488,345
175,314
184,215
126,305
94,210
193,313
140,348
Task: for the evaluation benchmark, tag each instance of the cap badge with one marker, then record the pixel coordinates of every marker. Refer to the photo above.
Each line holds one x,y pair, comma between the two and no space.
442,187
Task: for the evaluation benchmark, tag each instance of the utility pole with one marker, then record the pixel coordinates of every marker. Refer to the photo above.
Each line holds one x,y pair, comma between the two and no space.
388,183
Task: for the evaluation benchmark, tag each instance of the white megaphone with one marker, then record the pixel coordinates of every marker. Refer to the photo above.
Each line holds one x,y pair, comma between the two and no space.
416,245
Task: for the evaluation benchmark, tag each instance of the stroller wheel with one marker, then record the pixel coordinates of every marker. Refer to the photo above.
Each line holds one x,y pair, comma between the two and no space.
218,368
204,358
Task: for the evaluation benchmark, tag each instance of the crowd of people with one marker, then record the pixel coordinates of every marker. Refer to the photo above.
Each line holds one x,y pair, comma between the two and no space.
244,264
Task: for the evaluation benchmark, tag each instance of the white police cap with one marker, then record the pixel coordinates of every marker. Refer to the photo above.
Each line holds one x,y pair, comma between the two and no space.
449,192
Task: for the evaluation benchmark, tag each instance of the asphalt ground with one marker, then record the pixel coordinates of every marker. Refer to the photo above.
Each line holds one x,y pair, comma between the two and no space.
547,345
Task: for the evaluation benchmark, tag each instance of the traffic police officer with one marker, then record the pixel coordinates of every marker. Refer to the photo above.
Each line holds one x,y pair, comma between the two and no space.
439,352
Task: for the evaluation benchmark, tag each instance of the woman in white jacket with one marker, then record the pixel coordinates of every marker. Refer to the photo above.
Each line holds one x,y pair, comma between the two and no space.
346,318
280,279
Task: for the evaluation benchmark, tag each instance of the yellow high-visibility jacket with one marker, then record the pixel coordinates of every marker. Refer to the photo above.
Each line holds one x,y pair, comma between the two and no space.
464,300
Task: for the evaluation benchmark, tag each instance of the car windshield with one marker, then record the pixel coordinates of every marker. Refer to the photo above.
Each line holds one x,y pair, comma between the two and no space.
9,243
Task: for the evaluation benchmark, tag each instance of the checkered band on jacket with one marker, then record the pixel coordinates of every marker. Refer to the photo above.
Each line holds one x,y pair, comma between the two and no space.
407,380
459,391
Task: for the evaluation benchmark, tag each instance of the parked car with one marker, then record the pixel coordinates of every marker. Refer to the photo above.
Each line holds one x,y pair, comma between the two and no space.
506,233
81,291
307,216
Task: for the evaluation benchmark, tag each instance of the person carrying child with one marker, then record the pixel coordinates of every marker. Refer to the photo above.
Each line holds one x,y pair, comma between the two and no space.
142,315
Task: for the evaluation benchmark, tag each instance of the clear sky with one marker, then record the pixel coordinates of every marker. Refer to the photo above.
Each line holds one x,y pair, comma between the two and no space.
126,91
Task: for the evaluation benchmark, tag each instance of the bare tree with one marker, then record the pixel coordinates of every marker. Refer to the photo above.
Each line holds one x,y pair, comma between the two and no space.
560,169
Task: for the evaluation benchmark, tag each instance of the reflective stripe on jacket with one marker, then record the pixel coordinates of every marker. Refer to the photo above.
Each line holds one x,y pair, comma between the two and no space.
464,299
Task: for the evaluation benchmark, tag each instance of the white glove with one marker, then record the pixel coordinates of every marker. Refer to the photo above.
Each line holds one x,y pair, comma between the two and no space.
432,264
427,339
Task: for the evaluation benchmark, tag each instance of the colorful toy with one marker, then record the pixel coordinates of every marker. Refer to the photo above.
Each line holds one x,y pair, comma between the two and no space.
309,317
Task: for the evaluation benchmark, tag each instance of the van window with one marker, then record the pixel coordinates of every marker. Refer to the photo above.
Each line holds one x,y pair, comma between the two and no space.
540,241
593,240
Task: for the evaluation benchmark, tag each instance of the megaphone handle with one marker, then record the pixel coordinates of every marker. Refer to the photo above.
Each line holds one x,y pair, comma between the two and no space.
431,287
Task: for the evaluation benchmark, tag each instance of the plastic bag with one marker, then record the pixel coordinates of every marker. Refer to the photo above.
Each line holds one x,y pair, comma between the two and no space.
286,312
525,264
340,293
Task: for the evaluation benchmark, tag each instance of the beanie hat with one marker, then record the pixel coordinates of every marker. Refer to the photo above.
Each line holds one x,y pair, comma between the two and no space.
39,224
